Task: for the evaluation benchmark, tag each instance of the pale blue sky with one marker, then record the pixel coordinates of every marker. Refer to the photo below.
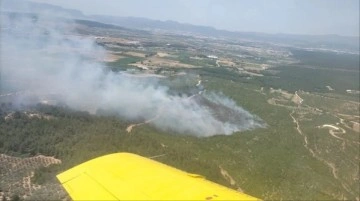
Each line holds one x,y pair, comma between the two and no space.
271,16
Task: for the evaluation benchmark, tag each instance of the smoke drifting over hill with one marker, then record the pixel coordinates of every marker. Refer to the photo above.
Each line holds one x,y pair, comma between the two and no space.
39,55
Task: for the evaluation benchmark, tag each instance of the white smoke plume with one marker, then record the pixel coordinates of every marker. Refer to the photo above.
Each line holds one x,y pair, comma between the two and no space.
41,55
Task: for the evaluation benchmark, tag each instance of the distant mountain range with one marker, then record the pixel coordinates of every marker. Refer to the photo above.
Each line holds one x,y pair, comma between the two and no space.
315,41
344,43
34,7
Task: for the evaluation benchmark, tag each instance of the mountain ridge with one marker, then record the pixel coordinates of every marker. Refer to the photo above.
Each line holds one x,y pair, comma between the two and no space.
321,42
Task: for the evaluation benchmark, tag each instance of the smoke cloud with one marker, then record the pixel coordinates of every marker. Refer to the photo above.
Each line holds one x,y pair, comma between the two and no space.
41,56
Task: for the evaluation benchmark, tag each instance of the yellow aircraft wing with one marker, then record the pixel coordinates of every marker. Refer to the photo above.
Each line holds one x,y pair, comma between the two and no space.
125,176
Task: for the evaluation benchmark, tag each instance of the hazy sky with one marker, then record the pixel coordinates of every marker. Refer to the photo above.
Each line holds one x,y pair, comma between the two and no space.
273,16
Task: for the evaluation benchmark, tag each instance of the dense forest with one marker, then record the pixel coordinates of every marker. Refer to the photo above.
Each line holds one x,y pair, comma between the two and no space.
75,137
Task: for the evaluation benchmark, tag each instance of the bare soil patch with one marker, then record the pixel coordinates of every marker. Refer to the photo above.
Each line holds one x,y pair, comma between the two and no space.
135,54
112,57
155,62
